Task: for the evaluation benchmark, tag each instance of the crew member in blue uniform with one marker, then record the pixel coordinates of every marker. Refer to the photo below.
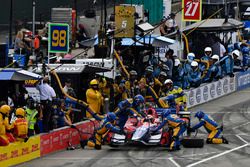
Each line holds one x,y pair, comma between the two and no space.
107,125
129,107
178,125
211,127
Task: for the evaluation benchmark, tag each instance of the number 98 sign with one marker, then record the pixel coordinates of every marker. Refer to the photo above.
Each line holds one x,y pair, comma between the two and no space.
192,10
58,38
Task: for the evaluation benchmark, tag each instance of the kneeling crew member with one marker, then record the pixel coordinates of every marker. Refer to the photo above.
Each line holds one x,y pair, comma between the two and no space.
212,128
107,125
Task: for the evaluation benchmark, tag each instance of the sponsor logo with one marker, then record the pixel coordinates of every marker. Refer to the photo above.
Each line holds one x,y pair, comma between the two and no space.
74,133
225,86
244,80
30,83
231,84
46,142
25,150
205,93
218,88
35,147
65,136
99,64
3,156
14,153
55,139
191,97
212,90
198,95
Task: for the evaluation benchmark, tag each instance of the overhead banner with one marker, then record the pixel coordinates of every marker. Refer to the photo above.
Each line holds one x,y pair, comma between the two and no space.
124,21
192,10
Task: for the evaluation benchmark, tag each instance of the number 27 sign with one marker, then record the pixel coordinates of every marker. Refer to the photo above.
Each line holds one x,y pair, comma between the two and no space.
192,10
58,38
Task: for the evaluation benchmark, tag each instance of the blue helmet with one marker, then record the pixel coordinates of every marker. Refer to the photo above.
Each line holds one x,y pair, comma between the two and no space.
245,50
166,113
138,99
199,114
111,116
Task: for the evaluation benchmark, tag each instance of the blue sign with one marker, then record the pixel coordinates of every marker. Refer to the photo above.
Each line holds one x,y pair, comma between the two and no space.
243,80
58,38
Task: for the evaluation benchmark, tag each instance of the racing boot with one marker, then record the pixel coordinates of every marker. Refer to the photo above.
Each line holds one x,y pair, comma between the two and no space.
174,149
209,141
224,140
98,147
83,143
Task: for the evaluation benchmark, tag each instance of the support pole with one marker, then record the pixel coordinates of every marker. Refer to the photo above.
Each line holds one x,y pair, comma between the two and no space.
33,27
10,22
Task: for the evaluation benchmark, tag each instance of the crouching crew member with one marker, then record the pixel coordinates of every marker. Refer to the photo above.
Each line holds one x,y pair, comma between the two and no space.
212,128
107,125
129,107
178,125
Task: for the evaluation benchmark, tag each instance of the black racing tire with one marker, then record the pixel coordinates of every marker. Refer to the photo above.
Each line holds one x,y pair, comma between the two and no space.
113,145
193,143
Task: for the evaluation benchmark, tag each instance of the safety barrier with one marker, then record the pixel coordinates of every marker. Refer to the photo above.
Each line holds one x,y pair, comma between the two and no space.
210,91
43,144
20,152
243,80
59,139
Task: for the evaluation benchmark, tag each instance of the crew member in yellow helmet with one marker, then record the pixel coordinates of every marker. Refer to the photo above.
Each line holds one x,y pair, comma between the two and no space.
94,98
20,125
4,112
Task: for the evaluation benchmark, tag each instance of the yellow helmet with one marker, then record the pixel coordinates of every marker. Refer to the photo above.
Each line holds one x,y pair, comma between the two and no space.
5,109
93,82
143,80
20,112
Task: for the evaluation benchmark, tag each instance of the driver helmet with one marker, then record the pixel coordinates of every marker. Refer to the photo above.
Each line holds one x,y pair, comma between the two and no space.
111,116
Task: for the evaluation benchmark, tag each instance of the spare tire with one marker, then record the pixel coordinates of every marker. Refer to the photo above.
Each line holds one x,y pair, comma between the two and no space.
192,143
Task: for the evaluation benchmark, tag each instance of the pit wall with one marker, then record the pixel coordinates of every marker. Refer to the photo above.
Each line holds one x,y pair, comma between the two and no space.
57,140
211,91
43,144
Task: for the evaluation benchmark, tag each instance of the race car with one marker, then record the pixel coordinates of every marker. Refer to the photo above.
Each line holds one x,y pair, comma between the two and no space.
138,132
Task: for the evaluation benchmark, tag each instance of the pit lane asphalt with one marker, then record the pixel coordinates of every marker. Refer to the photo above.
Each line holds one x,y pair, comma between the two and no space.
233,111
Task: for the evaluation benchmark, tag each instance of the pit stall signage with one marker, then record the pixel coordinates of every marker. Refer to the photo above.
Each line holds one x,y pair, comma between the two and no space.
58,38
192,10
125,21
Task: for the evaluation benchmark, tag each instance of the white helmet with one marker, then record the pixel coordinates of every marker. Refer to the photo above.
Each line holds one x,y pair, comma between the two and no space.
168,81
208,49
177,62
190,57
236,52
194,64
216,57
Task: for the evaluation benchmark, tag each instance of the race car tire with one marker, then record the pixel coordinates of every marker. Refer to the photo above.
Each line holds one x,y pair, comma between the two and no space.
193,143
113,145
